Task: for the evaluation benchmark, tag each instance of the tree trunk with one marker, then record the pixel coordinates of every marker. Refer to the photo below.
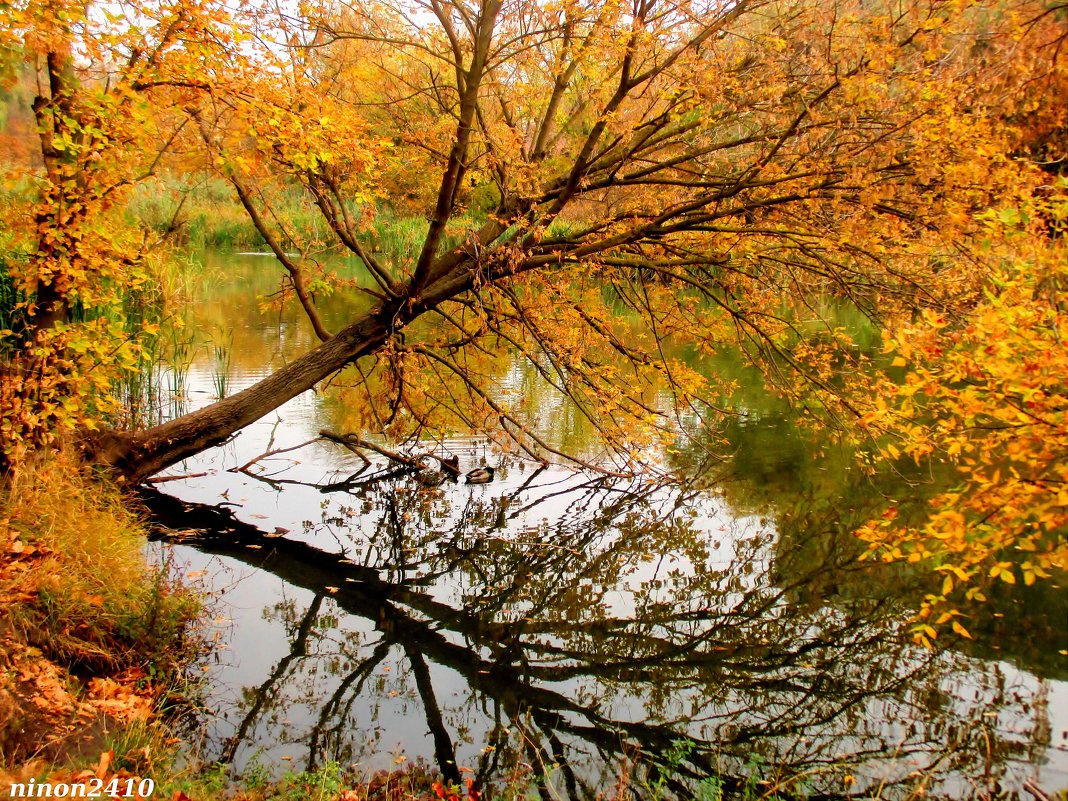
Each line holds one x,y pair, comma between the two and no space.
139,455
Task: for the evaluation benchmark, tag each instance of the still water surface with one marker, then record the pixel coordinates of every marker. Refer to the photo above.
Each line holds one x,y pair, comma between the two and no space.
575,628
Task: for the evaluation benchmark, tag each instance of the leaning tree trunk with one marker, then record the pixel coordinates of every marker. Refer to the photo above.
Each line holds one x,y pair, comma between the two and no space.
136,456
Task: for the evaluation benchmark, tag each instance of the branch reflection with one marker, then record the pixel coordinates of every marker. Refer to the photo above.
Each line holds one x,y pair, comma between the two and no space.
586,628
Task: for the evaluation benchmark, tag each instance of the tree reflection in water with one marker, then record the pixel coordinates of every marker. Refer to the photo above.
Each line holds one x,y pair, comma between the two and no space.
602,626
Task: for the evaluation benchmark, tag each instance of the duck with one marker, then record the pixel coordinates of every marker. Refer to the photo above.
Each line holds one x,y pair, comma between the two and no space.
480,475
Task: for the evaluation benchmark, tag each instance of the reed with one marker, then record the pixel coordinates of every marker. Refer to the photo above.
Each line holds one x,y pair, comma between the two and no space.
199,211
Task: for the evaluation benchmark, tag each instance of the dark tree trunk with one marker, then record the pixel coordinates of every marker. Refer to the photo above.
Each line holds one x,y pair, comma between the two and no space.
137,456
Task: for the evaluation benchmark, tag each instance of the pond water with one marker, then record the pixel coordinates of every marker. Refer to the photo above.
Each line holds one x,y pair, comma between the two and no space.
573,630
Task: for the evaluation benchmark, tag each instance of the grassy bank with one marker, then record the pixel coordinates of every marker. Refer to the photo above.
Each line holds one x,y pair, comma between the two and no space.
200,211
93,639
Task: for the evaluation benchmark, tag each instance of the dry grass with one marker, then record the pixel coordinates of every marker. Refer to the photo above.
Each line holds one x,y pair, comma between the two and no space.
72,573
90,635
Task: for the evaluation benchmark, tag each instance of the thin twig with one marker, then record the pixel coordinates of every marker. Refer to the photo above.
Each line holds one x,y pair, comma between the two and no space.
1033,789
164,479
244,468
352,442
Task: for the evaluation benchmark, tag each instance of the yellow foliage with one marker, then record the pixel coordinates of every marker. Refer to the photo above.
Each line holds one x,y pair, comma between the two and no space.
990,395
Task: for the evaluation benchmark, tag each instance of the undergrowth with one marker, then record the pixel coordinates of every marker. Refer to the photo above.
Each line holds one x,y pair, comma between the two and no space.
91,637
86,597
201,211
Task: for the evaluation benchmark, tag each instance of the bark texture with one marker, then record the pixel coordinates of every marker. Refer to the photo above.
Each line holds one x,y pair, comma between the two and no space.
137,456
